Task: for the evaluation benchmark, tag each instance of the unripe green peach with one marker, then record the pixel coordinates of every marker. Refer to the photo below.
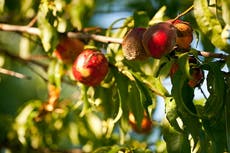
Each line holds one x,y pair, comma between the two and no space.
159,39
132,45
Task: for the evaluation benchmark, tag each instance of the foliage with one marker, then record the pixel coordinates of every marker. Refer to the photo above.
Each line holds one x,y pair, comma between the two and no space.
51,112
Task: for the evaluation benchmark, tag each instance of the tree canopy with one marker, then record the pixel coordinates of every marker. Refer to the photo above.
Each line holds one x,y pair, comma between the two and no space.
92,76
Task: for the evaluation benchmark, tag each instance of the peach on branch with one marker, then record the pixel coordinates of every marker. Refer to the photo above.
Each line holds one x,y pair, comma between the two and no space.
159,39
132,45
146,124
90,67
68,49
184,34
197,74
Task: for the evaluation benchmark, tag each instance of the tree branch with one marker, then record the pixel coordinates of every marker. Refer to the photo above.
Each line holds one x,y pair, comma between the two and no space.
14,74
95,37
210,54
183,13
36,31
213,55
99,38
18,28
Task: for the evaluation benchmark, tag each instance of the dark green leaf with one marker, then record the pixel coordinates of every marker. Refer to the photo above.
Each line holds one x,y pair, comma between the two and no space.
135,102
184,104
122,89
216,88
147,101
141,19
227,115
216,132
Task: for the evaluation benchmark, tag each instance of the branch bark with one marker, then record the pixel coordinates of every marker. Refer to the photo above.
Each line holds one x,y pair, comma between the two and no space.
13,73
95,37
19,28
36,31
99,38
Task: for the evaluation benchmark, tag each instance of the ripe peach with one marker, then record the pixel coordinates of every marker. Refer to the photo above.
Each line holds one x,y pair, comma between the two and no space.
160,39
197,74
184,34
68,49
132,45
90,67
146,124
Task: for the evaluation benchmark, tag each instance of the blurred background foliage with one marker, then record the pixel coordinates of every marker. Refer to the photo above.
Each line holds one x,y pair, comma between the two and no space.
86,119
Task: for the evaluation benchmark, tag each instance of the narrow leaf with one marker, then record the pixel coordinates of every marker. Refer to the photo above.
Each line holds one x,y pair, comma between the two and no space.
209,24
176,142
215,84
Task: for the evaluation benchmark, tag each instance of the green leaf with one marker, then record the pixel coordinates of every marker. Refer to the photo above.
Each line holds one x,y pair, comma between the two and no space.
55,72
141,19
147,101
227,113
176,142
135,102
216,88
209,25
48,33
24,117
80,12
159,15
185,106
107,97
171,113
226,11
2,3
216,132
122,89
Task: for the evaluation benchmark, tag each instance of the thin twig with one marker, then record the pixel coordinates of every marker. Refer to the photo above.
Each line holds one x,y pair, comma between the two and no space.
202,91
32,22
14,74
18,28
183,13
95,37
36,31
214,55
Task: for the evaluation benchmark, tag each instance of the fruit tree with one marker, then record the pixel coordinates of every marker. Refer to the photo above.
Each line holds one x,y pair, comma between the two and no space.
114,76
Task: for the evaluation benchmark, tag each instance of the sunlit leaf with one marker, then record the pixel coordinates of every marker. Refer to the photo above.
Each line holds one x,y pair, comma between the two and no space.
2,2
80,12
46,20
159,15
209,24
226,11
176,142
171,113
